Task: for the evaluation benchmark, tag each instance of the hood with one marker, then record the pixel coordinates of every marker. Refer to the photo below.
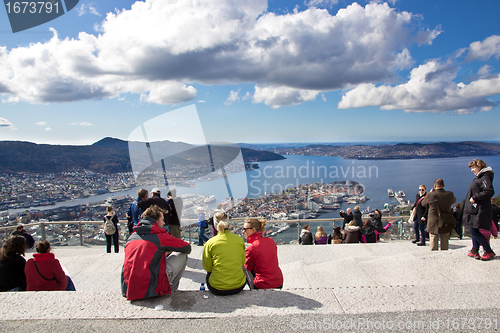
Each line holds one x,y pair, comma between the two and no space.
352,228
304,231
484,171
148,225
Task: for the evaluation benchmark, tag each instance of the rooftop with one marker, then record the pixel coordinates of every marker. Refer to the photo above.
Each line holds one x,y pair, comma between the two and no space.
394,284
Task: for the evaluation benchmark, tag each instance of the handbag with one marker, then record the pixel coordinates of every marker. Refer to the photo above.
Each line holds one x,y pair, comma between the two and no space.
446,222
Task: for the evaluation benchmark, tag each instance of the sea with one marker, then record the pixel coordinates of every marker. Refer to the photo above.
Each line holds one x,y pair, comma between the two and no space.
376,177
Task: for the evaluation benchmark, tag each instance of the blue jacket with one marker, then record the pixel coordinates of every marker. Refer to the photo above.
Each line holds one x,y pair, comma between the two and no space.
134,211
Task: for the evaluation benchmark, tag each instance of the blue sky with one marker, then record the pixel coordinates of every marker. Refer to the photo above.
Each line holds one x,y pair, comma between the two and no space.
257,71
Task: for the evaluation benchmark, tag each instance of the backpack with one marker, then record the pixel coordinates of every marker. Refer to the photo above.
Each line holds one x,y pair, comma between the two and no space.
109,226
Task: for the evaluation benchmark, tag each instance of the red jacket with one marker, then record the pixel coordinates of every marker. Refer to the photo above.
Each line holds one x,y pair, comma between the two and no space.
145,257
262,261
50,268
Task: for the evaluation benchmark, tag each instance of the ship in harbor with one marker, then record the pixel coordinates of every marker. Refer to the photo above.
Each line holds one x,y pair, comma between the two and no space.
390,192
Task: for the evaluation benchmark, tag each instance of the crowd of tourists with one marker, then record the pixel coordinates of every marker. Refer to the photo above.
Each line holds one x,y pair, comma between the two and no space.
155,259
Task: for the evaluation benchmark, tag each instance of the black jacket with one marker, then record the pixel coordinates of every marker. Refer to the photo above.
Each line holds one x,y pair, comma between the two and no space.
356,216
347,218
479,214
421,211
154,200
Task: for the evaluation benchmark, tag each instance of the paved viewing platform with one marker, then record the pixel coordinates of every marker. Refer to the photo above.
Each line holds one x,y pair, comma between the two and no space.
392,286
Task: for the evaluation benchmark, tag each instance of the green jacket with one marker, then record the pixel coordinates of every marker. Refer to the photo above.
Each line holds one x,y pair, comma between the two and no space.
224,257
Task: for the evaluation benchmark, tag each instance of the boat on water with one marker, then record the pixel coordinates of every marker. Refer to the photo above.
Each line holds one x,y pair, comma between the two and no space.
390,192
210,198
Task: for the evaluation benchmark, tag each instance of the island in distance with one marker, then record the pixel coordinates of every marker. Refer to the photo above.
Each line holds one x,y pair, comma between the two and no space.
397,151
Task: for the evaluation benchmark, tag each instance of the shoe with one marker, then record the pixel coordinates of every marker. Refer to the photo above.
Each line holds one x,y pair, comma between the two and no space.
414,241
420,244
474,255
487,255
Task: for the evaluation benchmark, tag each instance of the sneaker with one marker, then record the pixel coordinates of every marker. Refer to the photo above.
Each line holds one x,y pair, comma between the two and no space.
488,255
474,255
420,244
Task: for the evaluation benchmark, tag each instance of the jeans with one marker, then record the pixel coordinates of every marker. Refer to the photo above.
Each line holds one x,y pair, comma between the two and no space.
479,239
201,236
71,285
115,242
419,231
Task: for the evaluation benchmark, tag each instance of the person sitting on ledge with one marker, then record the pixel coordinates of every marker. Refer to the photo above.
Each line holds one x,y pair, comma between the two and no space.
44,271
352,233
306,237
369,233
12,263
223,259
146,273
336,236
320,237
261,262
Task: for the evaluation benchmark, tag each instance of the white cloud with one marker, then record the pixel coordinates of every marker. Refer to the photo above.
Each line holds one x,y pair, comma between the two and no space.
5,123
484,50
430,89
41,123
232,98
201,101
157,48
48,129
321,3
87,8
83,123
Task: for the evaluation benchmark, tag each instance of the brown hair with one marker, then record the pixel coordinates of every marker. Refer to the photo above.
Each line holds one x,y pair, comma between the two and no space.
367,223
109,209
477,162
142,193
220,217
439,182
43,247
259,225
153,211
425,187
305,227
12,246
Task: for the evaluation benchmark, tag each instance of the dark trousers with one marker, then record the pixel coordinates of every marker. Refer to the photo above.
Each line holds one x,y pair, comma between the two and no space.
419,232
479,239
223,292
115,242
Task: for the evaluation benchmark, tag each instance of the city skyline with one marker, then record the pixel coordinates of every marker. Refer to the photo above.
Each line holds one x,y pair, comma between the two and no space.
259,72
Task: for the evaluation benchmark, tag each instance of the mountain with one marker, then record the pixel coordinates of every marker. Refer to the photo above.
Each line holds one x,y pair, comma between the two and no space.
108,155
398,151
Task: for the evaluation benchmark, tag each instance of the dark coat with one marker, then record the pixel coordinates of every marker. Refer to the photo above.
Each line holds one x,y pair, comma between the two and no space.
369,233
306,237
356,216
445,200
175,211
12,273
154,200
420,211
347,218
481,190
495,214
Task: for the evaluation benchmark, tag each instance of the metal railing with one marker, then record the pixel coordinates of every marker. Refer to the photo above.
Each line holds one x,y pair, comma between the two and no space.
62,233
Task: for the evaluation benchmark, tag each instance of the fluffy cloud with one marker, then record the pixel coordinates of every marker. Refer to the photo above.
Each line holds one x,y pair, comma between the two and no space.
83,123
48,129
87,8
430,89
157,48
41,123
484,50
5,123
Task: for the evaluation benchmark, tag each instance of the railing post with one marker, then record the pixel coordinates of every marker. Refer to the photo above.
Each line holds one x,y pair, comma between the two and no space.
298,228
189,233
42,227
80,231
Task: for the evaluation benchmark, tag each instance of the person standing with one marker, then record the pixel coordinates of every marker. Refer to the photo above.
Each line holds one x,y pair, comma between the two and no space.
420,216
439,201
155,200
457,213
175,212
477,210
30,242
356,216
111,220
134,212
347,217
202,227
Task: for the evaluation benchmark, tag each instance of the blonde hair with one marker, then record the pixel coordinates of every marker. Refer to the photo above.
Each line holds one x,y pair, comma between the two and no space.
259,225
477,162
425,188
320,232
352,224
222,226
357,207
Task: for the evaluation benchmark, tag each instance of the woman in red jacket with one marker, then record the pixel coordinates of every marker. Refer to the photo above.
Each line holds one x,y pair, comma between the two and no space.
261,256
44,272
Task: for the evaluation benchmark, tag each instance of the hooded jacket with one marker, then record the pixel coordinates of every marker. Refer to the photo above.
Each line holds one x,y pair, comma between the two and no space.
305,237
479,214
50,268
262,261
144,270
